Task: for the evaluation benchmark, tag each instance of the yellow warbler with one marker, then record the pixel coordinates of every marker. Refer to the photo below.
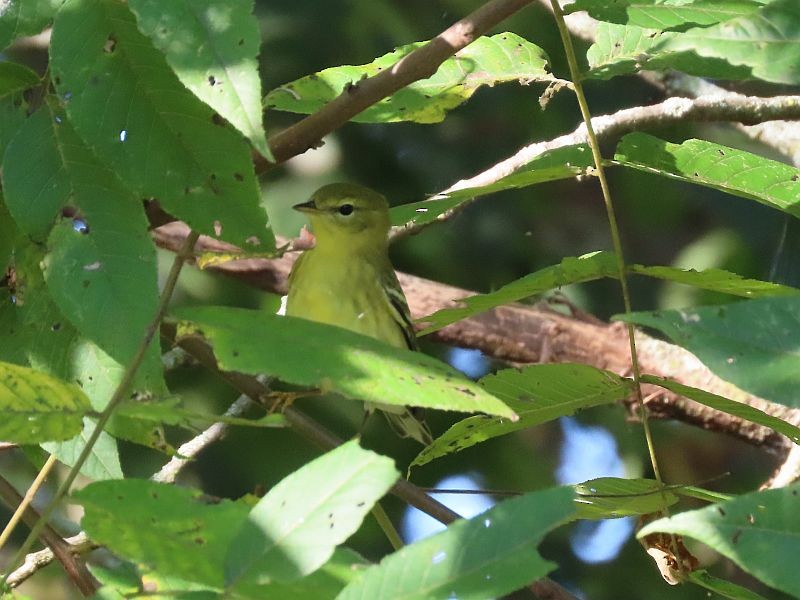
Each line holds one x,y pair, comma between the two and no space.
347,279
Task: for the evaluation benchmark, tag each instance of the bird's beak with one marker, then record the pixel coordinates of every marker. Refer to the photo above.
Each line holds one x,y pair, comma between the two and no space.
306,207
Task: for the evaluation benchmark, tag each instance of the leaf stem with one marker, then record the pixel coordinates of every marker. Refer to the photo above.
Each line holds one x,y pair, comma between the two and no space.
387,526
575,73
119,395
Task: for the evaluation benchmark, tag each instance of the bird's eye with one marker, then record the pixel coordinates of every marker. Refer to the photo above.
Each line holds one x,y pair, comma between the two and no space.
346,209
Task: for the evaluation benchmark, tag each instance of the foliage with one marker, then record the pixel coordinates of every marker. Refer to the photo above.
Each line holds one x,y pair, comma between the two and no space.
149,111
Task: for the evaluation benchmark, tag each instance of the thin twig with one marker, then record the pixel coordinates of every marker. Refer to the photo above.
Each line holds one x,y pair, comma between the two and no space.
41,476
77,544
119,395
743,109
419,64
57,547
189,450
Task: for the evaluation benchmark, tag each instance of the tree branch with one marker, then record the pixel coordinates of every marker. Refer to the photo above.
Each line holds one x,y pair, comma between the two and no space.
57,547
728,108
519,334
419,64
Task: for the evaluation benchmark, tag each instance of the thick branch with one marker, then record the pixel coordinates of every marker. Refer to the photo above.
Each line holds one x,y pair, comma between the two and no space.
523,334
420,64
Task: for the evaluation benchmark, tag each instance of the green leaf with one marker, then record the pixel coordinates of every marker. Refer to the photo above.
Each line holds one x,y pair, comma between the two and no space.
13,112
212,46
169,412
486,61
764,44
570,270
537,393
663,15
15,77
485,557
306,353
737,409
763,359
757,531
326,582
726,589
737,172
35,184
103,461
130,108
716,280
37,407
168,528
561,163
101,264
20,18
295,528
37,334
612,497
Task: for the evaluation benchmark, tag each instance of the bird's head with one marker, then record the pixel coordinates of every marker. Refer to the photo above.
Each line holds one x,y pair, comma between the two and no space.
348,215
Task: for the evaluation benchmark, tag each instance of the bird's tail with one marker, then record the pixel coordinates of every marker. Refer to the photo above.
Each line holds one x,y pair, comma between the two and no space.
406,424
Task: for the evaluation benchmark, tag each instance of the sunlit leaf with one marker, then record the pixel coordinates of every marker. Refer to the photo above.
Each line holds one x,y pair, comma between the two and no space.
737,409
295,528
486,61
212,46
164,143
737,172
763,358
488,556
757,531
37,407
306,353
612,497
537,393
19,18
663,15
764,44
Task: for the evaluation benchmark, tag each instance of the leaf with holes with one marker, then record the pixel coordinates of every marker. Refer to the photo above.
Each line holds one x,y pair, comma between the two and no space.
757,531
101,265
171,529
127,104
295,528
487,556
486,61
737,172
303,352
763,359
538,394
37,407
212,46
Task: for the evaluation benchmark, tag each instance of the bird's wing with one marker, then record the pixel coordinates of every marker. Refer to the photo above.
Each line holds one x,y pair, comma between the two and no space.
399,308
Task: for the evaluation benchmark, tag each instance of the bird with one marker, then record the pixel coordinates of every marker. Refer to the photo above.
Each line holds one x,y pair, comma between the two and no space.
347,279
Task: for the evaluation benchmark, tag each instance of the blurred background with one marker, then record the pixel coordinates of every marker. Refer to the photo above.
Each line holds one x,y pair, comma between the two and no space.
498,239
